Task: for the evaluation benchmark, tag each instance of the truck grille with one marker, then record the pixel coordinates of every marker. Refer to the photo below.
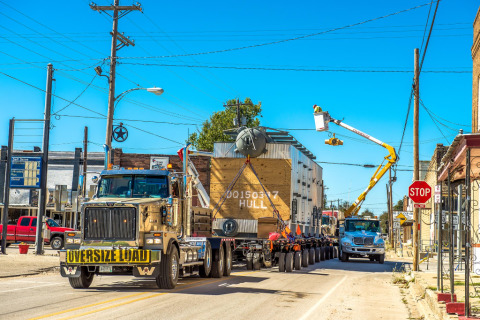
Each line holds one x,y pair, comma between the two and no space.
110,224
368,241
358,240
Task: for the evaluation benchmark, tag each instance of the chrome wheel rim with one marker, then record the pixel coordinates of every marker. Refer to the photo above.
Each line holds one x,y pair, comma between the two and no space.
174,268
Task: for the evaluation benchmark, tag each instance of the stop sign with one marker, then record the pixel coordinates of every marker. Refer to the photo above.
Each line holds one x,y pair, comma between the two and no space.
419,191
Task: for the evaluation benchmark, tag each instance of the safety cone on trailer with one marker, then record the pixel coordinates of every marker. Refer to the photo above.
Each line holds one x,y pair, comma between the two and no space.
299,232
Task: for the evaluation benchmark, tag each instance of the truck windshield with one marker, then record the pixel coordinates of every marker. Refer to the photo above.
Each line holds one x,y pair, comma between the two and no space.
325,220
359,225
129,186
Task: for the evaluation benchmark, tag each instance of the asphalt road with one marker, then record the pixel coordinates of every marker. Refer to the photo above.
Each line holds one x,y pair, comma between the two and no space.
330,289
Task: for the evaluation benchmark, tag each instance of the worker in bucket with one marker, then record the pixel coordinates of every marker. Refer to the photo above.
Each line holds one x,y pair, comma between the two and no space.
316,109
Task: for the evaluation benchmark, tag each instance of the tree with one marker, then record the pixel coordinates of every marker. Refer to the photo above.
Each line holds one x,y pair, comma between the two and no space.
383,221
367,213
212,129
398,206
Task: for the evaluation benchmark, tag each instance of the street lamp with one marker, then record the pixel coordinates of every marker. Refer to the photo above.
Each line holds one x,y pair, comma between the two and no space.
117,99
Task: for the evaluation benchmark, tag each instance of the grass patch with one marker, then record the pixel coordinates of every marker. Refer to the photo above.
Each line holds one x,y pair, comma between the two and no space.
432,288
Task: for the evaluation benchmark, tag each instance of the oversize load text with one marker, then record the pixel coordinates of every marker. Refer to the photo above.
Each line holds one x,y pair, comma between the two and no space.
108,256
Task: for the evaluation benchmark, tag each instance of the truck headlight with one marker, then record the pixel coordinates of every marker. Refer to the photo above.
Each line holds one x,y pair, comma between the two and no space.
157,241
77,241
69,240
347,244
150,241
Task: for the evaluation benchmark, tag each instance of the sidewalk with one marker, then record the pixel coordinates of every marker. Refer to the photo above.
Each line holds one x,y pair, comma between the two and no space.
424,289
14,264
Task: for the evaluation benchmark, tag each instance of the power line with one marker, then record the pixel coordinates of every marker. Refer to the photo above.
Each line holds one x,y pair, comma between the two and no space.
133,120
291,69
286,40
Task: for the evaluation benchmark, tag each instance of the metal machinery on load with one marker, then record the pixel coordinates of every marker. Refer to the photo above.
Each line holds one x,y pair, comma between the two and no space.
322,119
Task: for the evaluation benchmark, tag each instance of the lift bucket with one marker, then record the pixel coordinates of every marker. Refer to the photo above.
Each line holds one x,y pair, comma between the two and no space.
320,121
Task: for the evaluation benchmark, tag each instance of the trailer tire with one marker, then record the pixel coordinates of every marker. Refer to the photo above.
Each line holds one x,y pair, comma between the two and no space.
322,253
344,257
281,262
249,261
256,261
331,252
305,258
327,253
289,262
298,260
317,254
228,261
84,281
381,258
206,268
311,256
335,252
218,265
56,243
169,269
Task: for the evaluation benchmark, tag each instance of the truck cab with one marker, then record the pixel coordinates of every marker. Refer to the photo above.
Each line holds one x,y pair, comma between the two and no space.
360,237
139,223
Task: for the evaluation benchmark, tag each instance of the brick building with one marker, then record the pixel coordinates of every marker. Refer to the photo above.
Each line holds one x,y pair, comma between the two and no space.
476,74
142,160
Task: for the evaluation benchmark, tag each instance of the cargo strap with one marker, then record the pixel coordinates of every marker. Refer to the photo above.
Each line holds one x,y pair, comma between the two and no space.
288,234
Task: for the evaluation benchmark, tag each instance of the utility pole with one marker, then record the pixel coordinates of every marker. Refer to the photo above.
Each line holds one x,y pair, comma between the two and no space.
118,42
416,175
390,207
6,198
43,182
467,234
85,157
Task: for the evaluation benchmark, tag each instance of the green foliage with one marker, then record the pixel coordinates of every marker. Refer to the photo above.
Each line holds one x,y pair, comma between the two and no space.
398,206
212,129
383,222
367,213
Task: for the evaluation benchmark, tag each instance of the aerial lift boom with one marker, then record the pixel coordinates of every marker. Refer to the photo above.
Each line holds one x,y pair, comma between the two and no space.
322,119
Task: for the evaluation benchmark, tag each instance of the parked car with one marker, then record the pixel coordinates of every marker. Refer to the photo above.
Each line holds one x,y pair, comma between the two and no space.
26,229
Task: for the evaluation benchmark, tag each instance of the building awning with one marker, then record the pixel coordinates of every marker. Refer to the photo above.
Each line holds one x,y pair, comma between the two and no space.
454,160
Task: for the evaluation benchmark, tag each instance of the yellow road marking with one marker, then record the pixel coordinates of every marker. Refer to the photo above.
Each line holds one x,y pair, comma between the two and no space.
184,287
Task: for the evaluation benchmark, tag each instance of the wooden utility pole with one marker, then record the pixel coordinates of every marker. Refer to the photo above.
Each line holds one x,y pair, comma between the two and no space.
416,174
118,42
85,158
42,210
390,208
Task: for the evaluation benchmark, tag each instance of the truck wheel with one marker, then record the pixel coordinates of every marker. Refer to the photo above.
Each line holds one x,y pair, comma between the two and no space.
249,259
218,265
256,261
289,262
331,252
84,281
305,258
311,256
228,261
335,252
322,253
281,262
372,258
56,243
344,257
327,253
206,268
169,270
381,258
297,260
317,254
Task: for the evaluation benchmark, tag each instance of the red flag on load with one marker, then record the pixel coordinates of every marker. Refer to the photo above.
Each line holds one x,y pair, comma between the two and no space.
273,236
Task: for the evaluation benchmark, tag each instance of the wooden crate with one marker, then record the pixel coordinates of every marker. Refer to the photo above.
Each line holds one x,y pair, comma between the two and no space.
247,200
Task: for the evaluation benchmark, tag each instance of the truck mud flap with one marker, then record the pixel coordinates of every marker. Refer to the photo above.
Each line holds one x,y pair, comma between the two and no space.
70,271
148,271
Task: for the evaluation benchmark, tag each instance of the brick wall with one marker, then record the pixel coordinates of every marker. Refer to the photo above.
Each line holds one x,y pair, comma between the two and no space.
476,71
142,160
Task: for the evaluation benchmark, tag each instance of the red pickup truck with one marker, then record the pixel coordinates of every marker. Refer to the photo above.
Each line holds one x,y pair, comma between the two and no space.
26,229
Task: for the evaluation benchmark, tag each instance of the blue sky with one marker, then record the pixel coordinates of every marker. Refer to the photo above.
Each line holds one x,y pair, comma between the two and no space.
75,38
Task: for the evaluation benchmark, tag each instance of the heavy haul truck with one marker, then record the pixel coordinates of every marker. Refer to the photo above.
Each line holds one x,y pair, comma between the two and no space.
358,237
142,223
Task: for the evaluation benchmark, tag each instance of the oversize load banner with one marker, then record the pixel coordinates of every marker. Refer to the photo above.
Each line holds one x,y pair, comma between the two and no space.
108,256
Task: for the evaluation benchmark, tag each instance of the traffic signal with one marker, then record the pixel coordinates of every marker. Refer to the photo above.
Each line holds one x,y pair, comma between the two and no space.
334,141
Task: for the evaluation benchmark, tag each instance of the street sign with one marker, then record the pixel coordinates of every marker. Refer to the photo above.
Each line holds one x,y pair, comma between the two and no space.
26,172
455,222
396,224
419,205
438,194
419,191
402,218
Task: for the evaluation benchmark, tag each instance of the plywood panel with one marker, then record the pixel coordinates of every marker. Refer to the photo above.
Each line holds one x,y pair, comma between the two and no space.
247,200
